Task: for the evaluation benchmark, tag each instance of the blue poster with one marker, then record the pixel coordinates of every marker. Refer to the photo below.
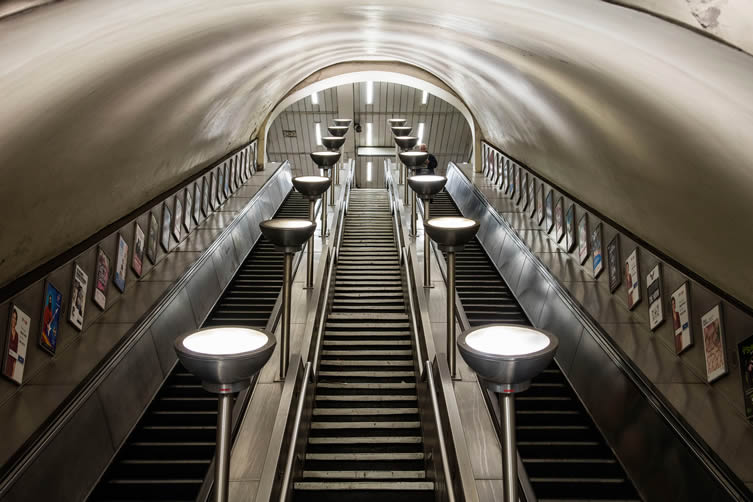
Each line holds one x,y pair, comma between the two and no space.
53,301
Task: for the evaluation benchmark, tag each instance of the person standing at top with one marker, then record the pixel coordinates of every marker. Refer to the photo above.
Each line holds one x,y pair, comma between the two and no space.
431,162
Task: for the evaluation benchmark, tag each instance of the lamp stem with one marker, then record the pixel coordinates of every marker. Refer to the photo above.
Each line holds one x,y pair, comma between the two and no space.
285,338
509,447
427,247
405,181
413,214
332,186
451,313
222,453
324,215
310,250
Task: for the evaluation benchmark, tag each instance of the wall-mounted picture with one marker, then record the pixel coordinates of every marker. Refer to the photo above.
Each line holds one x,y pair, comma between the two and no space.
583,238
513,179
167,220
613,263
78,297
524,192
151,242
213,192
121,267
531,197
570,228
596,251
220,193
254,164
516,188
549,211
713,343
505,176
205,196
559,221
654,295
53,304
197,205
540,205
680,305
228,178
178,218
137,262
745,354
19,327
633,279
102,276
188,210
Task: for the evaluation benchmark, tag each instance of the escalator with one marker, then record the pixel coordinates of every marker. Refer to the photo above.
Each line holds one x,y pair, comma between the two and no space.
366,441
168,453
564,454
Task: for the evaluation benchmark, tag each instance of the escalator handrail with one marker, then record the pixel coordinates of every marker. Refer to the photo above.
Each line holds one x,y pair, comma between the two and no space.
440,432
688,436
30,451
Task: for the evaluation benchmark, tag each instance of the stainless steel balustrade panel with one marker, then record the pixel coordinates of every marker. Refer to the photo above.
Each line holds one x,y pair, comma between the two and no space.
203,291
557,317
177,319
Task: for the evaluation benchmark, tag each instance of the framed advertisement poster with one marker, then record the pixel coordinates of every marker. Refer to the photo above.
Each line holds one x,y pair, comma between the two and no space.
513,179
613,263
549,211
121,267
197,205
596,251
524,192
633,279
19,327
102,275
505,176
540,205
151,242
559,221
79,287
712,327
516,185
137,262
178,218
570,228
531,197
167,219
745,354
680,304
213,192
654,294
53,304
583,238
188,210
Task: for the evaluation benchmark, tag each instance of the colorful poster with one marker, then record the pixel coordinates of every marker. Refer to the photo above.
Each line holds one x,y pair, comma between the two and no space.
559,223
220,193
654,293
78,297
137,262
524,191
19,327
167,218
151,245
189,211
119,279
583,238
205,197
103,276
516,185
506,176
540,205
633,279
197,205
531,197
713,343
53,303
745,354
613,263
213,192
513,179
570,228
549,211
680,303
178,218
598,256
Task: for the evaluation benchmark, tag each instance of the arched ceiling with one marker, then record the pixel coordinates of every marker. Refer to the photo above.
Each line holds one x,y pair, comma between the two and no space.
109,103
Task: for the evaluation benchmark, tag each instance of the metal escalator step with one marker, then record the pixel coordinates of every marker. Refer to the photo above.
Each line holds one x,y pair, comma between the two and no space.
365,474
364,485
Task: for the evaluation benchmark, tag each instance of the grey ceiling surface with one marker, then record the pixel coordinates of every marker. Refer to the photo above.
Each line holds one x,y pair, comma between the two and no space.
446,132
108,103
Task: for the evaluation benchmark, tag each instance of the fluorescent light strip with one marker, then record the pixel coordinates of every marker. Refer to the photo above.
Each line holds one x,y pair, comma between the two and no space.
420,132
368,134
425,98
368,172
369,92
315,98
318,133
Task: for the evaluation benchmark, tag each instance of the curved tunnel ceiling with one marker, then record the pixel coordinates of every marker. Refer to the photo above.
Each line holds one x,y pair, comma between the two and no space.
107,104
